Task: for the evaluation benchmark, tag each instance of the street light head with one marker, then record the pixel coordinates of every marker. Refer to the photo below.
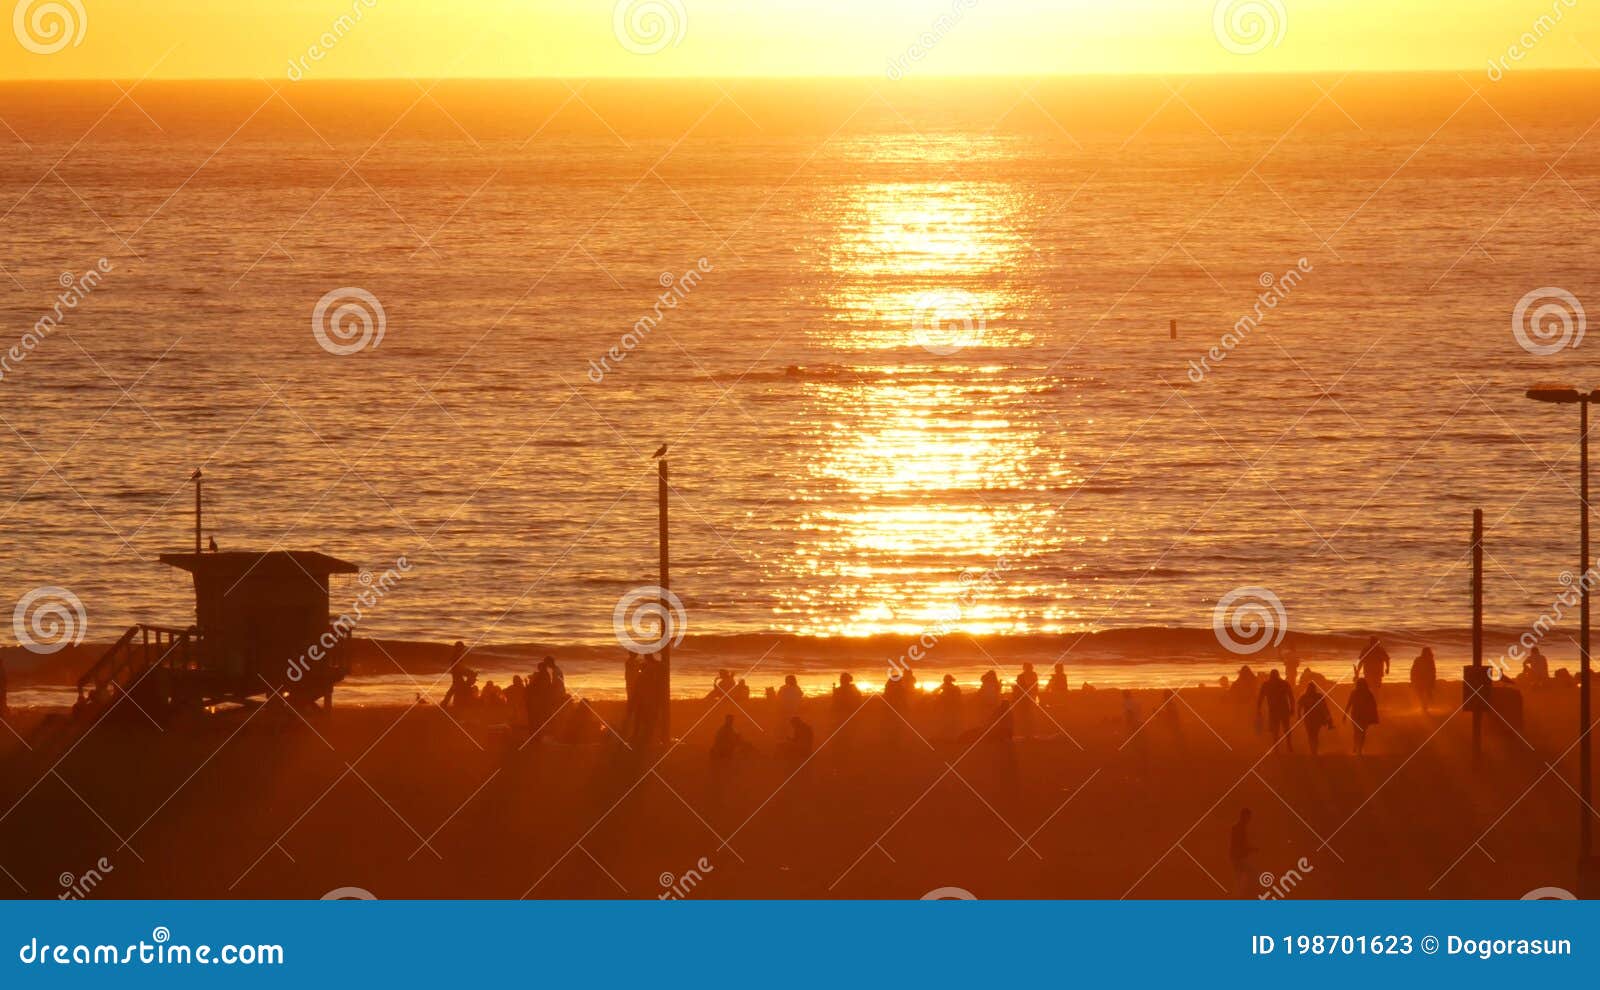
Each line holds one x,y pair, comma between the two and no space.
1555,392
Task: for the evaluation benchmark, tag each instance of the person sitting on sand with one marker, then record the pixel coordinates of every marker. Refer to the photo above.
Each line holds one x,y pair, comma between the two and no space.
1535,670
1241,856
1373,665
948,696
789,698
493,696
989,690
1424,674
1363,713
1056,690
797,748
1314,714
741,693
846,699
1279,702
728,743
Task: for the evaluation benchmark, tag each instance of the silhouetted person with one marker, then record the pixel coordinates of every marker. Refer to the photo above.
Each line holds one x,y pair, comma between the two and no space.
1291,666
1535,669
1056,690
728,743
461,677
1424,674
517,698
722,687
1027,697
1241,856
741,692
1363,713
948,697
846,699
1279,702
988,690
789,698
1171,715
651,690
1314,714
798,747
1246,686
1373,665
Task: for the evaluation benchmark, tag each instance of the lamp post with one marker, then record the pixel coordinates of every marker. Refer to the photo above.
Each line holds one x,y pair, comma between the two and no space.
1566,394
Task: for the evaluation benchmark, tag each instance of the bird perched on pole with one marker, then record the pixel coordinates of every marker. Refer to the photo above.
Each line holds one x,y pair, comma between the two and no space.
661,452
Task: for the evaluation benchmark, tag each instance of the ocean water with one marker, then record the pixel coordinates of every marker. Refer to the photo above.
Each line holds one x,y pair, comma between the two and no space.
908,346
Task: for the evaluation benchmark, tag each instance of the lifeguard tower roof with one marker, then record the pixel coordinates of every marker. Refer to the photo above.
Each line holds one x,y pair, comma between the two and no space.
241,562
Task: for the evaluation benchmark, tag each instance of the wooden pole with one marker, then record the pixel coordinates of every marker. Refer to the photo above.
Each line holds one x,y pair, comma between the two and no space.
666,607
1585,829
1477,631
197,512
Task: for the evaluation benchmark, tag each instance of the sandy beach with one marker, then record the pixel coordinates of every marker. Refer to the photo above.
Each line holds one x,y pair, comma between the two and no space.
407,802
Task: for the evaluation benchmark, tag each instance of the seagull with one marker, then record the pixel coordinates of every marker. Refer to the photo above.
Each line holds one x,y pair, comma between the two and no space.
661,452
213,544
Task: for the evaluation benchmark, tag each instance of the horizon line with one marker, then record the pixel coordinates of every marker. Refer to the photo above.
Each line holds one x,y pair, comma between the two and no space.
929,77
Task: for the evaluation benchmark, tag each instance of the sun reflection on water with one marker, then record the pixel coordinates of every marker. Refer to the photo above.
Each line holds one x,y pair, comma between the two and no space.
926,470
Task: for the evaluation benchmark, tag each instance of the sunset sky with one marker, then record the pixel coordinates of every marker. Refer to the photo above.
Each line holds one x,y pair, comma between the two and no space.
133,39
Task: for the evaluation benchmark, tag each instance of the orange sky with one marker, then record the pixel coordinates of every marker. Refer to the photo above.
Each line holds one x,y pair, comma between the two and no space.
328,39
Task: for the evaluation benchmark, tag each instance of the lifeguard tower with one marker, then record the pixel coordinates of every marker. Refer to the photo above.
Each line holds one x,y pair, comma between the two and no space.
262,626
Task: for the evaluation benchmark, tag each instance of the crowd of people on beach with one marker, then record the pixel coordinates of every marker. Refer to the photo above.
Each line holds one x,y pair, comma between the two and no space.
1288,700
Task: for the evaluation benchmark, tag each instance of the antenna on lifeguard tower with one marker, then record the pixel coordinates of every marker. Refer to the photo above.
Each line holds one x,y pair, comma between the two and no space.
196,479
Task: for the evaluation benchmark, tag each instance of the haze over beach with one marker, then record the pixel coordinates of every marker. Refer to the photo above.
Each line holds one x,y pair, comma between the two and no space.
1151,340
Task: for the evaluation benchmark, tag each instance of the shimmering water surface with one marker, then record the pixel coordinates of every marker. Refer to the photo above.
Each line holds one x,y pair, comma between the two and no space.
923,375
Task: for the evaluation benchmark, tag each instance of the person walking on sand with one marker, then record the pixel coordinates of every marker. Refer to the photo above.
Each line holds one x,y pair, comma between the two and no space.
798,747
728,743
1241,856
1363,713
1424,674
1279,701
948,696
1373,665
461,677
1291,665
1314,714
